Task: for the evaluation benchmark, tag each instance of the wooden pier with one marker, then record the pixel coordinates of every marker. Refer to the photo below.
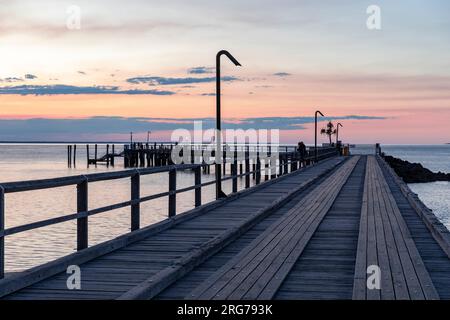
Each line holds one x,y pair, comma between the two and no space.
317,231
148,155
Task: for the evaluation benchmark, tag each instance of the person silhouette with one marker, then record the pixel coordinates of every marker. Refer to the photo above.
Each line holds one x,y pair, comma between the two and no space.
301,149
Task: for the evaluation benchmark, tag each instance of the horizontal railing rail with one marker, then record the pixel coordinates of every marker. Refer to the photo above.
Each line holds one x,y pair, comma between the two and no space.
291,161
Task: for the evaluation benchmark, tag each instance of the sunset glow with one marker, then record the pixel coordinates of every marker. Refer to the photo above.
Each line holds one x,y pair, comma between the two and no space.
160,56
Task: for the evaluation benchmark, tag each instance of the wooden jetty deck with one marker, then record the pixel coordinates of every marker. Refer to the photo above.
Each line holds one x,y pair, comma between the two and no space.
313,233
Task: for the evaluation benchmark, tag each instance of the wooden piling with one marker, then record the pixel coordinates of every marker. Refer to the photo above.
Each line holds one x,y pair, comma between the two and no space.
96,154
107,155
126,157
87,155
74,155
69,156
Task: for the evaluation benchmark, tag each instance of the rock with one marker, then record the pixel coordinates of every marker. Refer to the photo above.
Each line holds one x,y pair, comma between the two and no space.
414,172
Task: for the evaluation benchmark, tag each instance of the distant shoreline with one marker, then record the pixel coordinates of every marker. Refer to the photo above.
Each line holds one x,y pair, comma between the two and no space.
151,142
68,142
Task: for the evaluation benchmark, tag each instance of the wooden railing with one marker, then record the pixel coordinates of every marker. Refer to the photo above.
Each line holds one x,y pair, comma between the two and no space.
288,161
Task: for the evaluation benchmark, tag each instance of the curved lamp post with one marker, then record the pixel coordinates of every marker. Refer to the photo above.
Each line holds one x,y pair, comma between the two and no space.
337,132
315,138
218,167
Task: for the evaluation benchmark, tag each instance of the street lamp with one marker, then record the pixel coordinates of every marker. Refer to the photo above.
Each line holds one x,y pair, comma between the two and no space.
315,138
218,167
148,136
337,132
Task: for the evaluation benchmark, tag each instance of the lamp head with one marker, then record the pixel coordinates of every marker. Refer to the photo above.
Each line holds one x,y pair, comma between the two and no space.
230,56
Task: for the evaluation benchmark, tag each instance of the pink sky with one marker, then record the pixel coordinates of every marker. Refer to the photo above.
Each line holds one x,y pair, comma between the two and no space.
296,57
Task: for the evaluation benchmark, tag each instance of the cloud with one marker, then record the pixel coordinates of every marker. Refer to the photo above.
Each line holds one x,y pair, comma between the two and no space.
212,94
30,76
82,72
201,70
282,74
54,129
68,89
175,81
11,79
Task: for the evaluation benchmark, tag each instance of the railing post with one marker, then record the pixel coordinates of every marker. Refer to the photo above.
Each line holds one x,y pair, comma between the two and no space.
224,159
95,154
258,168
198,189
235,170
136,205
247,168
280,165
82,220
173,194
87,154
74,155
2,228
286,159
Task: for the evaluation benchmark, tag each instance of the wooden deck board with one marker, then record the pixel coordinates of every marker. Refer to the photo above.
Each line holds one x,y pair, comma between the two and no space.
274,246
389,246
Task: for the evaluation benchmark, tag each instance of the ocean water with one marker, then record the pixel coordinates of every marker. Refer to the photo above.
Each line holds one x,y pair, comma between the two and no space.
38,161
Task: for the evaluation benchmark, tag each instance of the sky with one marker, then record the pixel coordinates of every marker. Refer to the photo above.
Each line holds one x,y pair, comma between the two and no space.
98,69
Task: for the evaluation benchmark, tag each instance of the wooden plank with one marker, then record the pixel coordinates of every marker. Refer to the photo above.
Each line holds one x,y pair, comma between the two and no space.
425,283
359,285
265,248
402,268
387,292
160,281
372,257
396,271
244,257
278,275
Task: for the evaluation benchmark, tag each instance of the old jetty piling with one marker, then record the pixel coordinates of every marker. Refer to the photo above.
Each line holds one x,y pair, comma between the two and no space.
312,231
147,155
108,158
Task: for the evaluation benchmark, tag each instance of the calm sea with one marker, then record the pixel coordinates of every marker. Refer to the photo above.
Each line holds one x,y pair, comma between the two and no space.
37,161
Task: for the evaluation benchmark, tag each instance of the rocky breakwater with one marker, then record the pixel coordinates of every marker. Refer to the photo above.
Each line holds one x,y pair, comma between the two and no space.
414,172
